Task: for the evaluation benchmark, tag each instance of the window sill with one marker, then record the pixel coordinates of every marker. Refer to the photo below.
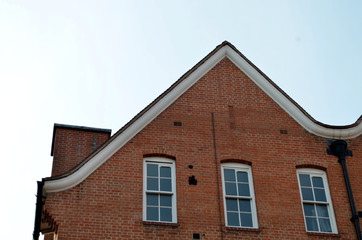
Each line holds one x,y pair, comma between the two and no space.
160,224
334,235
242,229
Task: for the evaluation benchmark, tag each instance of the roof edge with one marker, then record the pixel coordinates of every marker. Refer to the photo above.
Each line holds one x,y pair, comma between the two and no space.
142,119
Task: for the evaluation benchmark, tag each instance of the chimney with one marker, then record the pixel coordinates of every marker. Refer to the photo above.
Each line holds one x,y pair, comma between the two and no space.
72,144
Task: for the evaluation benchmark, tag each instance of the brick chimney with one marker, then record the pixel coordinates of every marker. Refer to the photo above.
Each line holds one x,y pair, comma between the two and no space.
72,144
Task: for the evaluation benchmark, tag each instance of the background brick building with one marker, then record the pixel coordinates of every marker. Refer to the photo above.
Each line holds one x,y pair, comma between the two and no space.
224,153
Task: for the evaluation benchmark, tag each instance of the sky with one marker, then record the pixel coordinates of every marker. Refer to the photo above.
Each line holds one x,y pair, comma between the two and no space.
98,63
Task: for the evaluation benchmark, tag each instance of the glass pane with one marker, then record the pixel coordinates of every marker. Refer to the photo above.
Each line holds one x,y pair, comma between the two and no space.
229,175
242,176
230,188
166,214
304,180
320,195
312,224
246,220
233,219
165,200
152,213
317,182
152,184
309,209
243,189
165,185
152,199
244,205
325,225
231,205
322,210
165,172
152,170
307,194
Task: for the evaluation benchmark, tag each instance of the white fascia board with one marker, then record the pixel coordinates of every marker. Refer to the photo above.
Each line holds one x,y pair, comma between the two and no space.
89,167
287,105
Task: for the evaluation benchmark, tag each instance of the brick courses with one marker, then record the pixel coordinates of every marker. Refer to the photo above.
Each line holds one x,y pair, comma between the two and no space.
108,203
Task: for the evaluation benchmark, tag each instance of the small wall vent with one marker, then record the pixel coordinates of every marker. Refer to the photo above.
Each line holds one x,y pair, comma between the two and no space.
177,124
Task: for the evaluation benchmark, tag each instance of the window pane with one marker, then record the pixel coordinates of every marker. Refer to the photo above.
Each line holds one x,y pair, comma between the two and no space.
243,189
230,188
229,175
152,199
233,219
165,185
152,184
325,225
304,180
317,182
312,224
309,209
166,214
152,213
244,205
322,210
307,194
152,170
320,195
165,172
231,205
165,200
246,220
242,176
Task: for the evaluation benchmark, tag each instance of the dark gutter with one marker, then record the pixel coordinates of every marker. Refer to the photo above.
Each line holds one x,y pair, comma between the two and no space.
338,148
38,210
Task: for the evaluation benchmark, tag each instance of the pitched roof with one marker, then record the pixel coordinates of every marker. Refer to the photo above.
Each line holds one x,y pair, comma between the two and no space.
143,118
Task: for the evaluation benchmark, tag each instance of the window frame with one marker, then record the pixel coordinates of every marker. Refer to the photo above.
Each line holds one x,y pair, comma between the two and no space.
318,173
242,168
160,161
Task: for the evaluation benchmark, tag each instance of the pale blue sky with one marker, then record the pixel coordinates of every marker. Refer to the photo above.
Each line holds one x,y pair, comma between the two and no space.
98,63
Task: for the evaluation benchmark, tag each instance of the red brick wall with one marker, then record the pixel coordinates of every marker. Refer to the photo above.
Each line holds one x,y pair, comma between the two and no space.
108,204
72,145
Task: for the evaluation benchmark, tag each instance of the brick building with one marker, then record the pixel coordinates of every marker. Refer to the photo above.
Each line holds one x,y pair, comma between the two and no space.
223,153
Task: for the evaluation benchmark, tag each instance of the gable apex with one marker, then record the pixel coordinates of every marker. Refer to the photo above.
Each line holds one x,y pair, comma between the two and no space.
79,173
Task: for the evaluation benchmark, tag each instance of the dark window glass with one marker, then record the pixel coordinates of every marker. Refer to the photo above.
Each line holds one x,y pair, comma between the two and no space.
152,199
320,195
231,205
230,188
166,214
165,185
242,176
165,172
304,180
312,224
307,194
317,182
152,213
233,219
309,210
246,220
322,210
244,189
152,170
165,200
325,225
229,175
152,184
244,205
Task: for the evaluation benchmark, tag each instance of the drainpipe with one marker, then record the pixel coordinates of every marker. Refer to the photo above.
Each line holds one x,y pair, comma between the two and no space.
38,210
338,148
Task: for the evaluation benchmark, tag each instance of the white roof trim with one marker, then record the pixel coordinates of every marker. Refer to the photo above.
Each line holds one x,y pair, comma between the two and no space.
89,167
